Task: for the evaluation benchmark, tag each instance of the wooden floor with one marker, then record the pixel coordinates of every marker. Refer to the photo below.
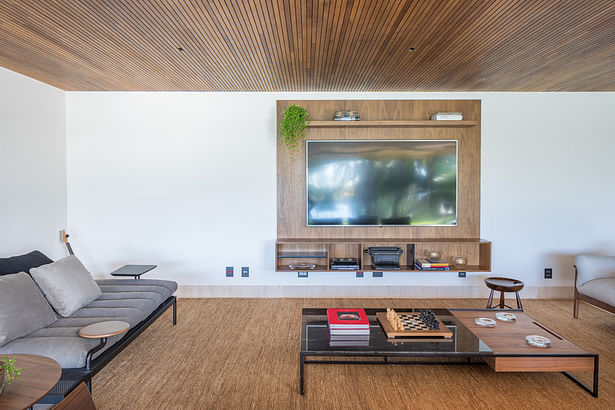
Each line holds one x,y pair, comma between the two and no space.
243,354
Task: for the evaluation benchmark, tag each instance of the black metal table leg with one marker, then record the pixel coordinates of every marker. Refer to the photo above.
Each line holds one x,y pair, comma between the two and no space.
301,371
90,355
174,311
594,391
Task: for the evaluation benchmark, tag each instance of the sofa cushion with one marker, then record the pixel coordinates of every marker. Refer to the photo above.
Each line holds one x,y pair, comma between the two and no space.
601,289
67,284
68,351
22,263
23,309
590,267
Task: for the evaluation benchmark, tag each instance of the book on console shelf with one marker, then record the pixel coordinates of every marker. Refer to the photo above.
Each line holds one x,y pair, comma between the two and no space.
419,267
439,116
432,263
347,322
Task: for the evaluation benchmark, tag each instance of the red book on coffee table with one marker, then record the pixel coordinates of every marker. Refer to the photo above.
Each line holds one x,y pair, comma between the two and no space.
347,319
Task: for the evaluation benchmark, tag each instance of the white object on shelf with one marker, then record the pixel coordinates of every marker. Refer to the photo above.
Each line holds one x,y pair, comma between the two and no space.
444,116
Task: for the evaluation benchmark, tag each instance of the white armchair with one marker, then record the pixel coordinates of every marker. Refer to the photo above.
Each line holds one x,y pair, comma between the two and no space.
594,282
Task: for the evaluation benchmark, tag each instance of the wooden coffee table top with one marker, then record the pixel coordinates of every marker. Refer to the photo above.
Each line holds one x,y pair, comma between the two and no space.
104,329
509,337
38,377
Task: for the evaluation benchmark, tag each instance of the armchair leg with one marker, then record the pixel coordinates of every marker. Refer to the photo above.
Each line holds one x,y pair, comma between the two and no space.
575,312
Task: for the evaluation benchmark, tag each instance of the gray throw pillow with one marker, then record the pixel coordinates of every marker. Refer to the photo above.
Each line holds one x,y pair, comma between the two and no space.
67,285
23,308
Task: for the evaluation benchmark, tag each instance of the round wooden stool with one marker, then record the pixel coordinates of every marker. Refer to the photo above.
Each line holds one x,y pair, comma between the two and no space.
504,285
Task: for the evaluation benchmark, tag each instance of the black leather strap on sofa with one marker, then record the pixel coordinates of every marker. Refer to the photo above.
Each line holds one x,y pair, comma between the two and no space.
23,263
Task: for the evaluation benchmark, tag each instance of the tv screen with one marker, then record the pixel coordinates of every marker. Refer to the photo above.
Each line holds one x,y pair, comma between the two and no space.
364,183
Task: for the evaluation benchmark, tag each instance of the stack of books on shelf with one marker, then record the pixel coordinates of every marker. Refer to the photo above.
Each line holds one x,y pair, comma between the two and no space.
348,327
431,264
447,116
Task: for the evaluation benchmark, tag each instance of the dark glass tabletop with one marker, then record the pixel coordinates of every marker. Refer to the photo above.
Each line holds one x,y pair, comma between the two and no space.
315,339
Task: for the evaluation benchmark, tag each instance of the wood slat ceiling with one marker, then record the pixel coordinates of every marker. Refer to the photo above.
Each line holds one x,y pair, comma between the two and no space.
312,45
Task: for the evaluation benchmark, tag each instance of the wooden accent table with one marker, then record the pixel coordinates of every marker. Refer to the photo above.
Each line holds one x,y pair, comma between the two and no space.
101,330
38,377
504,285
511,353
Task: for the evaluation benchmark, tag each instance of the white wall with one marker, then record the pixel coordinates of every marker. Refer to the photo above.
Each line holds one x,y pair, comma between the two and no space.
188,181
32,166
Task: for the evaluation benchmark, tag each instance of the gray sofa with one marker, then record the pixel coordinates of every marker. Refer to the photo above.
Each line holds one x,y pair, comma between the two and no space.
138,302
594,282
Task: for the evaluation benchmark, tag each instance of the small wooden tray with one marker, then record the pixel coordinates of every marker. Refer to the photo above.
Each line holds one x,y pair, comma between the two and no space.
391,333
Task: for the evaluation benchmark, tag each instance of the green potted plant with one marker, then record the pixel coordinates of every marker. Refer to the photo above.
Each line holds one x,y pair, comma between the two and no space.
292,128
8,371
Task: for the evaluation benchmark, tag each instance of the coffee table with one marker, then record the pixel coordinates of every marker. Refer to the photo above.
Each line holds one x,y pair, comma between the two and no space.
502,347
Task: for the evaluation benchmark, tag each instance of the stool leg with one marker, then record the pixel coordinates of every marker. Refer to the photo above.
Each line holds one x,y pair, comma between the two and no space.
501,300
490,300
518,301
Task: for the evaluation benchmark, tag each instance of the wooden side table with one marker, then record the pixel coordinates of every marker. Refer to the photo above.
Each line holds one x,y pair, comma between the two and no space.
101,330
504,285
38,377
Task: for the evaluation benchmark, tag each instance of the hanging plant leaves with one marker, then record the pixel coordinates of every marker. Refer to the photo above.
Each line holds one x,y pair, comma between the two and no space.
292,128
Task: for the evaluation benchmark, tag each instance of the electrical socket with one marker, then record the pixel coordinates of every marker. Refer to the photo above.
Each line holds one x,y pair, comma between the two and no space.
548,273
245,271
359,274
377,274
461,275
302,274
229,271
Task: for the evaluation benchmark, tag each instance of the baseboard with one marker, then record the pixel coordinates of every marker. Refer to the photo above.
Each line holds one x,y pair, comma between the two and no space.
413,292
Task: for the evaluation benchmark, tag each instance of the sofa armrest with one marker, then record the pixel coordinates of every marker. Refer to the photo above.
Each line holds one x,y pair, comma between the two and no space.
590,267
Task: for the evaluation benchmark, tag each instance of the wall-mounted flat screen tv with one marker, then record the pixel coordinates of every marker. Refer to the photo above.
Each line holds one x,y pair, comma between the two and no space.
381,183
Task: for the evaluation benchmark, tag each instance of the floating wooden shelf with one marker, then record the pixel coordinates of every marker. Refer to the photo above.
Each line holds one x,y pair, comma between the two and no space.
314,250
393,123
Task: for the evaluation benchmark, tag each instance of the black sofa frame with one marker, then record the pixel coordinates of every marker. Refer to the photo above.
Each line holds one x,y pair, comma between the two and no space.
72,377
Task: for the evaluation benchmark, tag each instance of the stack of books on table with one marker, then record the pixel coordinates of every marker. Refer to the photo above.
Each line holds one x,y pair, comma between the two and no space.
348,327
432,264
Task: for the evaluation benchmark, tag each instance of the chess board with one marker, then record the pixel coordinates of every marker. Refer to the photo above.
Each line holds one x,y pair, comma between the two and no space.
413,326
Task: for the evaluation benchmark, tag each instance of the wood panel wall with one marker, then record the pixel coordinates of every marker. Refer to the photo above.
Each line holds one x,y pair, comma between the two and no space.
291,183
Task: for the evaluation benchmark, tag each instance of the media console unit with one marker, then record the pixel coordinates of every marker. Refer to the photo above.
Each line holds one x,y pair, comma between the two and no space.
381,120
320,251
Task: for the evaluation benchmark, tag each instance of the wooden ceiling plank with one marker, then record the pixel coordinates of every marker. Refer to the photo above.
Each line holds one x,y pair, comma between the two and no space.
176,22
312,45
250,49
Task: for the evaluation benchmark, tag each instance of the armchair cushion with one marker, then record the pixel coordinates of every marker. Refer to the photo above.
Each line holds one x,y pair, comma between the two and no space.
24,308
67,285
600,289
590,267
